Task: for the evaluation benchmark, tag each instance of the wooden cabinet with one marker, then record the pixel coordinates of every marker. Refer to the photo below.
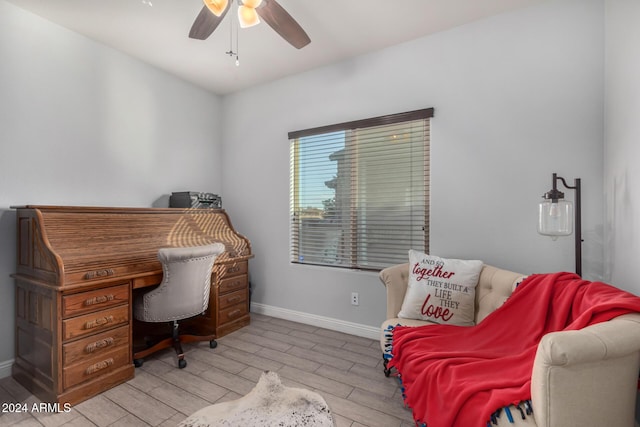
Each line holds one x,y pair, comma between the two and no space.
95,334
78,269
72,344
231,296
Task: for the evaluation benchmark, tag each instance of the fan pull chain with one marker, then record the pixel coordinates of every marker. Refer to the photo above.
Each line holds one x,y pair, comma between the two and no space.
237,45
231,51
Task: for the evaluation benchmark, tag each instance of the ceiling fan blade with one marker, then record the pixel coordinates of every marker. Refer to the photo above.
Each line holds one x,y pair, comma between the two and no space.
206,22
283,24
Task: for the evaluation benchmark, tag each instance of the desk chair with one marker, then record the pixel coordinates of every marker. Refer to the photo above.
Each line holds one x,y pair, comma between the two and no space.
182,294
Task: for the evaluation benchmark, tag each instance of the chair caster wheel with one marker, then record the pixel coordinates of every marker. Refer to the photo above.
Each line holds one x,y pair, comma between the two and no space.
138,362
182,363
213,344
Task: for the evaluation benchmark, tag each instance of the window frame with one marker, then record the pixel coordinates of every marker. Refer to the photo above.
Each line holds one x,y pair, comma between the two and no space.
391,119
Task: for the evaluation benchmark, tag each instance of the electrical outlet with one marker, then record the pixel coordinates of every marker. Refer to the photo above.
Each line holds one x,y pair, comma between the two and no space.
355,300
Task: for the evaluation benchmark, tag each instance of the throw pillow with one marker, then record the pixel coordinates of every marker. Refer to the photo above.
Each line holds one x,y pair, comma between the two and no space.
441,290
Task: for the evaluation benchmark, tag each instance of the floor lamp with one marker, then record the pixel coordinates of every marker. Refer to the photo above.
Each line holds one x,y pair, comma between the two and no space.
555,216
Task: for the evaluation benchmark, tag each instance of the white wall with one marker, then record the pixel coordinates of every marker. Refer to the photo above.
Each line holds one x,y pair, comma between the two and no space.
622,148
517,97
82,124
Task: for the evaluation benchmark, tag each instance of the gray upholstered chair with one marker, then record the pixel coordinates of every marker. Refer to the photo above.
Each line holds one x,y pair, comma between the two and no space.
183,293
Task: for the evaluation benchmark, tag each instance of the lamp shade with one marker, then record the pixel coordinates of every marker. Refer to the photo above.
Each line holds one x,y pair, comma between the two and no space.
217,7
248,17
555,218
252,3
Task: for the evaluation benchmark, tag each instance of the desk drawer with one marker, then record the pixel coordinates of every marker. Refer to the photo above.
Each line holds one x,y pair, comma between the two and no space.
85,302
232,298
95,322
146,281
95,366
232,313
231,269
95,345
233,284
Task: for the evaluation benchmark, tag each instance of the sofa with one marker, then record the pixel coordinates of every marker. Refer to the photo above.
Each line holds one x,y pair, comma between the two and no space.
582,378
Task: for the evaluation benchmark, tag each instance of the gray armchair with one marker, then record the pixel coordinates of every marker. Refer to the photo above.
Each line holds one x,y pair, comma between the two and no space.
183,293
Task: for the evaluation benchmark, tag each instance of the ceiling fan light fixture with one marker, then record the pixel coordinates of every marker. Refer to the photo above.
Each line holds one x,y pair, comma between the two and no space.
217,7
248,16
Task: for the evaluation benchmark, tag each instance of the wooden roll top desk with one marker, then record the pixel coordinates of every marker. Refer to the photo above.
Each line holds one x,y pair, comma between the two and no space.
77,271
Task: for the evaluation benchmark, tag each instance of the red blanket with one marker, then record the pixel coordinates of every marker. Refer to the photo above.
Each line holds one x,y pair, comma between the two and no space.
457,376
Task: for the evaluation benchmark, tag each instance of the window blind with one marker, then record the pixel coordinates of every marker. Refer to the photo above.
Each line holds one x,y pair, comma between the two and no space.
359,191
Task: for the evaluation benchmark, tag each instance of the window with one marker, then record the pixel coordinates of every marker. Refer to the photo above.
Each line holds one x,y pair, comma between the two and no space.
360,191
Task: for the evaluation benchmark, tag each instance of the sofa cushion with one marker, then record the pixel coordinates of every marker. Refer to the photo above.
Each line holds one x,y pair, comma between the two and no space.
441,290
494,287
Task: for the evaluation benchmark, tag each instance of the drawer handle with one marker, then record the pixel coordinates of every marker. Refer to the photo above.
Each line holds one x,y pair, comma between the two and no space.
99,366
99,273
234,313
98,322
233,299
90,348
233,269
232,284
98,300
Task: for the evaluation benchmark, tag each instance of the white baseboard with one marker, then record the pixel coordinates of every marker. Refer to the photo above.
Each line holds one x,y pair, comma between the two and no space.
320,321
5,368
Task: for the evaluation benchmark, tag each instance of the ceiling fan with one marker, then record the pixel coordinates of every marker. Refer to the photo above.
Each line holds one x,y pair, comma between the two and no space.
249,14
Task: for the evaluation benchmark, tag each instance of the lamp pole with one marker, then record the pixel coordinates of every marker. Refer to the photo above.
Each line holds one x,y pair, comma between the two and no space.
578,218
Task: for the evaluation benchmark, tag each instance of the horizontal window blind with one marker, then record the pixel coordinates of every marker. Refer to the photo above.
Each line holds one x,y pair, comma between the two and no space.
360,191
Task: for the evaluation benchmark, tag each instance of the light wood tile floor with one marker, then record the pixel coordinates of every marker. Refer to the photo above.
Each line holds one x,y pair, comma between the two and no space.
346,370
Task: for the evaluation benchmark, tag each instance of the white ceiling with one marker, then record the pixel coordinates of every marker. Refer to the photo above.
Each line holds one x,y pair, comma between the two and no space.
156,31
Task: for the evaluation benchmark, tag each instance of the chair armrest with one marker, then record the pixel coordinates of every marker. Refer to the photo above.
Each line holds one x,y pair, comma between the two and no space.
395,279
588,377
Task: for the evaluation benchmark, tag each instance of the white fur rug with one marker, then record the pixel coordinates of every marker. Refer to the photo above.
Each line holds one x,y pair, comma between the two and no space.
269,404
